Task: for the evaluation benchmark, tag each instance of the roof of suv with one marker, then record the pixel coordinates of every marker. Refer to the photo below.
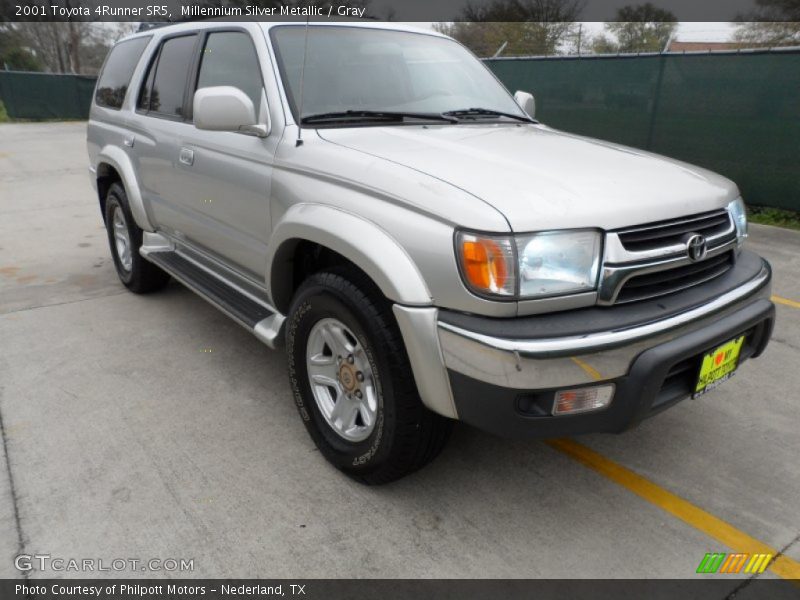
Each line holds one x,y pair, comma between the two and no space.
267,25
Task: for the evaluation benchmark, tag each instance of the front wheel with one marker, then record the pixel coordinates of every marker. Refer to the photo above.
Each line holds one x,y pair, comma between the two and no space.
352,381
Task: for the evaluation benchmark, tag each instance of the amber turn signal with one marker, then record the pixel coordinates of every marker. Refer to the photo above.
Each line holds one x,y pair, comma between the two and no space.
488,264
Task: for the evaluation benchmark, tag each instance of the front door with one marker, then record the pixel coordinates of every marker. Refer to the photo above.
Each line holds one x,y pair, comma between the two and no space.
223,178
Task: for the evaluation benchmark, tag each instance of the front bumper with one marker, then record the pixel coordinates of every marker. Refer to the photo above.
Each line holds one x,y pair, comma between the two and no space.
503,373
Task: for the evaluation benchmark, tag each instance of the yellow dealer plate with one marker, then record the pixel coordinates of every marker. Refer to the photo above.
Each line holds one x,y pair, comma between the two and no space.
718,365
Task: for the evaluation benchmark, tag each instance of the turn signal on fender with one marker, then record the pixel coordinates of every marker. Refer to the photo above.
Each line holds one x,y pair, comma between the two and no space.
488,264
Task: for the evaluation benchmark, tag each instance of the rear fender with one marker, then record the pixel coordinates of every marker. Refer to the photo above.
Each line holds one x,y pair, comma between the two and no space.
119,160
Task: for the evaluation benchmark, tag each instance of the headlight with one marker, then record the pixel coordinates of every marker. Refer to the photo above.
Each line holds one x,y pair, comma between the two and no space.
564,262
739,216
530,266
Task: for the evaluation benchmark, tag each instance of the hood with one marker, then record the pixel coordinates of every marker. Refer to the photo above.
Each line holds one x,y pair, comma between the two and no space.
540,178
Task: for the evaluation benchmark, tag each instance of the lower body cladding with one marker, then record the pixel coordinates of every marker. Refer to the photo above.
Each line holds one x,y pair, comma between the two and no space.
506,376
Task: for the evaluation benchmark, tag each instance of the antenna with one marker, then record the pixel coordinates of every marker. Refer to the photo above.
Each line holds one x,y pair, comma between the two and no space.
299,141
500,49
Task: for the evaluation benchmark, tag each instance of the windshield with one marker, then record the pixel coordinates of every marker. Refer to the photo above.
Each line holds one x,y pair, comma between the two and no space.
359,69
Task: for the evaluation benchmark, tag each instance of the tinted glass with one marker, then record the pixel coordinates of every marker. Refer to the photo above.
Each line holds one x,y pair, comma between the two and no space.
229,58
353,68
117,72
170,79
143,103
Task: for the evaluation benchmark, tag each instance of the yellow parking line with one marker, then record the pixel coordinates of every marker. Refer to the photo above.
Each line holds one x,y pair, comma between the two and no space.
786,301
687,512
593,373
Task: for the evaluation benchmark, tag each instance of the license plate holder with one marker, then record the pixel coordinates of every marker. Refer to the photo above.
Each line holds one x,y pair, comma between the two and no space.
718,365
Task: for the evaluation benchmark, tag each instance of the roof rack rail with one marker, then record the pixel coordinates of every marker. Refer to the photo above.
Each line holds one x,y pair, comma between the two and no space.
147,26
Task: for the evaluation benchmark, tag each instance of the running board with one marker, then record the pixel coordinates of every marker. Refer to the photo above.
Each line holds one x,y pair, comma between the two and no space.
259,318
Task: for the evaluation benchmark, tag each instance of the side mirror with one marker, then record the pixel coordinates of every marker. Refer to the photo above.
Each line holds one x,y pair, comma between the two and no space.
527,103
226,108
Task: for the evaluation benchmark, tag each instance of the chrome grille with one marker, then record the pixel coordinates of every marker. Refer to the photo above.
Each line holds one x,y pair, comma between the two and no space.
651,260
659,283
668,233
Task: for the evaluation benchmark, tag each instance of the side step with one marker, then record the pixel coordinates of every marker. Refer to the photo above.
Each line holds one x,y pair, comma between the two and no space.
263,320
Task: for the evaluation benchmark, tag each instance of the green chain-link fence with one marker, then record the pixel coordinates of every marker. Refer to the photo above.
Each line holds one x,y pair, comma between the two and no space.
737,114
46,96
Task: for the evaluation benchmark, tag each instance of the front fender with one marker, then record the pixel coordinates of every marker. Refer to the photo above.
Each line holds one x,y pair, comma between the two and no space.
361,241
116,157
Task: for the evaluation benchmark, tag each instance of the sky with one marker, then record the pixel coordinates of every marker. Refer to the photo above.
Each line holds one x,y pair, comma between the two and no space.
687,31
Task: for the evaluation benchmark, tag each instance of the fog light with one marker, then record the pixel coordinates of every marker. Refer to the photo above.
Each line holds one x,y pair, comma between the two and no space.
583,399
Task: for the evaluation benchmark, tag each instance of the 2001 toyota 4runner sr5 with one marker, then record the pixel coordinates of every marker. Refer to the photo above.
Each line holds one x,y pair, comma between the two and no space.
373,199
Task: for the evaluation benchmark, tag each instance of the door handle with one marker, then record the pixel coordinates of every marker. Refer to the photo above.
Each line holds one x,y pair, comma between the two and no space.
186,156
128,141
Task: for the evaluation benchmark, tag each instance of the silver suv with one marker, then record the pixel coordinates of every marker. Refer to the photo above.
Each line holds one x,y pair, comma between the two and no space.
373,199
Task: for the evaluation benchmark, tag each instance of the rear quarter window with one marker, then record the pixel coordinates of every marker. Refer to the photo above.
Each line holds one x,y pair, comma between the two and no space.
117,72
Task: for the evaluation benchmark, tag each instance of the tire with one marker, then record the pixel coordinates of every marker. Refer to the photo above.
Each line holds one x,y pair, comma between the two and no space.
138,275
405,435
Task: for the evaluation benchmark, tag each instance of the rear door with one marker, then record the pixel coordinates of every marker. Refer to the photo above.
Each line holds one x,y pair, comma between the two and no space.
160,121
107,121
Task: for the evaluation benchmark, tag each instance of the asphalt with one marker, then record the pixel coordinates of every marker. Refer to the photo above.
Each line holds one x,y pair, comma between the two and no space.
155,427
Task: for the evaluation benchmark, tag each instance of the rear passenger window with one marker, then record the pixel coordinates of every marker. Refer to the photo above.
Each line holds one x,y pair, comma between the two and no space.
166,80
229,58
117,72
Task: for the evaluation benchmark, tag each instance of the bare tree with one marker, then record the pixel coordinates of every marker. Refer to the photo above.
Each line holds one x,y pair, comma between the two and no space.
61,47
65,47
773,23
642,28
525,27
74,46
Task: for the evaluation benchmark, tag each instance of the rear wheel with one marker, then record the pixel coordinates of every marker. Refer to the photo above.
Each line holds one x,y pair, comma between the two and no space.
352,381
125,239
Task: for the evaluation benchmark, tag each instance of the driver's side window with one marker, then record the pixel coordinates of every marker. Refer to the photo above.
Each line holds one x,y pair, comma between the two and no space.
229,58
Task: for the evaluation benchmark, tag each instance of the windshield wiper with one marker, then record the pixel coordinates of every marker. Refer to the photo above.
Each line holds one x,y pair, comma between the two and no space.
378,115
485,112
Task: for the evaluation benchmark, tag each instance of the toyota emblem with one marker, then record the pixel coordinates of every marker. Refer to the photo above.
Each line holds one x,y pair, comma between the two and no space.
696,247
